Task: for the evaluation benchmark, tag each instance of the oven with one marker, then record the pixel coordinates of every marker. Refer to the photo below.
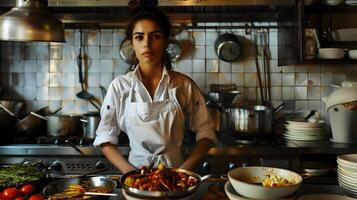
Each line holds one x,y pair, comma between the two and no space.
69,157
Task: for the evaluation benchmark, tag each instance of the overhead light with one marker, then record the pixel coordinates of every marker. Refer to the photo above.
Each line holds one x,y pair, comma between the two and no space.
30,21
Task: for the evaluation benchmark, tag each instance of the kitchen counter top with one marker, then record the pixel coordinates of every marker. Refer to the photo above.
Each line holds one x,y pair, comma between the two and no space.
211,190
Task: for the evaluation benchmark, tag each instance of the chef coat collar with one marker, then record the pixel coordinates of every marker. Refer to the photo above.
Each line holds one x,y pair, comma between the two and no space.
165,75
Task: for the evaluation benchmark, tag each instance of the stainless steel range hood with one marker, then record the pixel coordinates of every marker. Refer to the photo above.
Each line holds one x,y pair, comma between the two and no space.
30,21
115,12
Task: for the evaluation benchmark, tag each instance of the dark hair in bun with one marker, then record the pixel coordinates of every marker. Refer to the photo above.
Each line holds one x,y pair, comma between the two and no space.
148,9
138,4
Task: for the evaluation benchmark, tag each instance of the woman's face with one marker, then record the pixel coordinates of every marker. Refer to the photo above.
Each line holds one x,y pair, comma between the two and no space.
148,41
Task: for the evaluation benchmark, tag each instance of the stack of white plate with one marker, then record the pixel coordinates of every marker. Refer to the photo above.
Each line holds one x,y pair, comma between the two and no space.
306,131
333,2
347,173
331,53
351,2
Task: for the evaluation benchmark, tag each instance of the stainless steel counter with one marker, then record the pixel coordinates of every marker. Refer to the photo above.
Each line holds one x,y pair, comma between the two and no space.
64,160
211,190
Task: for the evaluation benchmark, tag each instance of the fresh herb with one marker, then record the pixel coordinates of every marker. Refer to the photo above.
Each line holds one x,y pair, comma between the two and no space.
20,173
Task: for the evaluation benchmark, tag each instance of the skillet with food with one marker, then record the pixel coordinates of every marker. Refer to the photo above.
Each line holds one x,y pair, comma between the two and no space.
74,188
161,182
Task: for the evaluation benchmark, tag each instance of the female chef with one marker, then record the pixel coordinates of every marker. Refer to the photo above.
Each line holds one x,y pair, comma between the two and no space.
152,103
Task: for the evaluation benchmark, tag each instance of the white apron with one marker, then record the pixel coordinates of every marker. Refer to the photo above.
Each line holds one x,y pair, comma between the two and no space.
151,127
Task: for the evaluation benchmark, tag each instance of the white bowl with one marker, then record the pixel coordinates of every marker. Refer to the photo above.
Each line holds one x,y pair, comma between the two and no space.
348,159
247,182
333,2
339,96
349,83
233,195
331,53
352,54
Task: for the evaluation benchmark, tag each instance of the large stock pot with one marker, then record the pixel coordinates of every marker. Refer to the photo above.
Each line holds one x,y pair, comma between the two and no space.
64,125
252,121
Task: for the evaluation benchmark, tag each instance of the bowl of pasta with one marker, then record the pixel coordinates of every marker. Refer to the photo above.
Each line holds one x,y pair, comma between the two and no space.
264,182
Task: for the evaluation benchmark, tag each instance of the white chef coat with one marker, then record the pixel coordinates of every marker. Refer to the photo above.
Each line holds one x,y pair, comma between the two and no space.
155,127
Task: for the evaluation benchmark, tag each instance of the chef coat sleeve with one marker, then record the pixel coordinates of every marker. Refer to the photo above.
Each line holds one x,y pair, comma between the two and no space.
199,118
108,129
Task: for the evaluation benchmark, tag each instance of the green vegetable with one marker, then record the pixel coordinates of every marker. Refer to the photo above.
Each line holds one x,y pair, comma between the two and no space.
20,173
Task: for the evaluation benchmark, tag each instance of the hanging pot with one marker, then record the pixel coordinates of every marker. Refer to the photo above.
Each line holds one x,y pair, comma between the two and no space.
227,47
126,52
174,50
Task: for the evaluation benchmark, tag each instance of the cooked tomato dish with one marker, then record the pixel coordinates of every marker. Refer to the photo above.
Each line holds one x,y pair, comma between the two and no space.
160,179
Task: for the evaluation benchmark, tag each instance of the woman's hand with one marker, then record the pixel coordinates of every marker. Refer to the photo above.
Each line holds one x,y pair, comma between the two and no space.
200,150
112,153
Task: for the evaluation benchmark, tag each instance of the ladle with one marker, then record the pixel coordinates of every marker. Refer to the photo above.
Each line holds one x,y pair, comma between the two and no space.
103,90
83,94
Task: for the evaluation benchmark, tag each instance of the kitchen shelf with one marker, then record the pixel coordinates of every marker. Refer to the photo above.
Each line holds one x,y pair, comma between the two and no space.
344,45
316,8
324,19
329,61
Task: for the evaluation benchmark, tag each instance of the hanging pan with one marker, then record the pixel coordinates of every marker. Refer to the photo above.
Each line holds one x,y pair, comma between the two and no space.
227,47
127,53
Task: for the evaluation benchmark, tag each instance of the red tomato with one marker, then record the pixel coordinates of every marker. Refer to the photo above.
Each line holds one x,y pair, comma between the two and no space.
28,189
2,196
11,193
36,197
20,198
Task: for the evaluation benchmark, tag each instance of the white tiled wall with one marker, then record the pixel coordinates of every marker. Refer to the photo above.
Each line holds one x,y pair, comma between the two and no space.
46,74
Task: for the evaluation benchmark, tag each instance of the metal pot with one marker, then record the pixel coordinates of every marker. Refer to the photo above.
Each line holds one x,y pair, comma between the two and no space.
162,194
222,97
32,125
127,53
64,125
250,121
227,47
90,125
174,50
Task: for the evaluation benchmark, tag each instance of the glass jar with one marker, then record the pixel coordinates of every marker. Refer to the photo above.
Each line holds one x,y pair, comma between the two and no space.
310,45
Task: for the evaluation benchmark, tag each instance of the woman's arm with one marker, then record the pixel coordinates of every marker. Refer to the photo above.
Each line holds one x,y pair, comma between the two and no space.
112,153
200,150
